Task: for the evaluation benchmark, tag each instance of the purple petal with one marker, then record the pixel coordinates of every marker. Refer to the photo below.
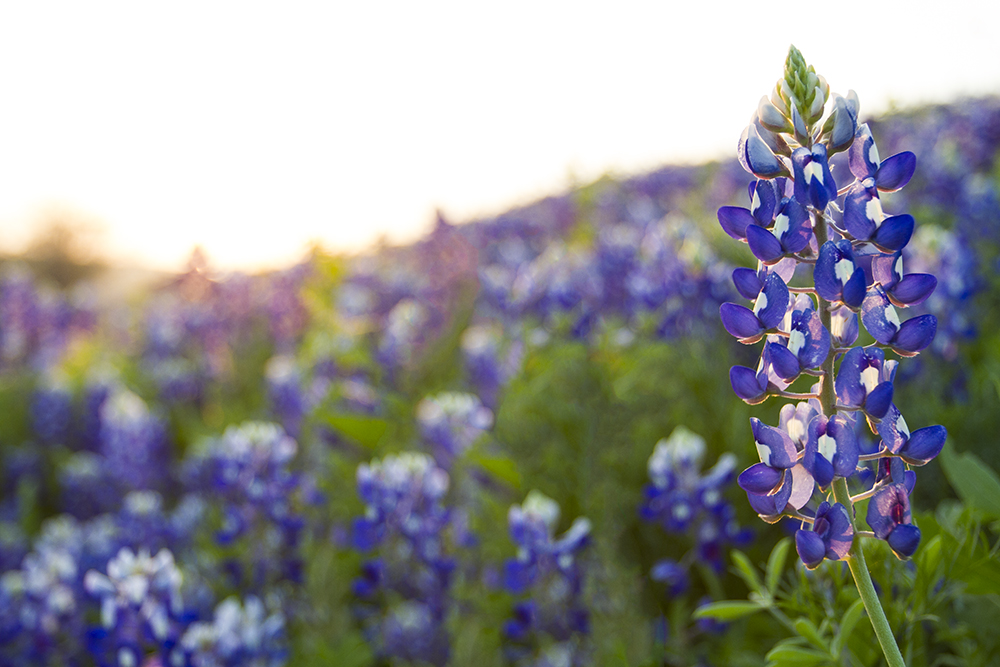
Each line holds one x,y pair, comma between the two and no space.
850,390
775,446
759,478
904,540
797,225
894,233
840,533
879,317
771,310
747,283
912,290
879,399
735,220
842,124
773,504
896,171
863,156
746,386
924,444
889,507
888,269
764,245
763,201
810,547
741,323
862,211
915,335
785,364
756,157
845,461
893,430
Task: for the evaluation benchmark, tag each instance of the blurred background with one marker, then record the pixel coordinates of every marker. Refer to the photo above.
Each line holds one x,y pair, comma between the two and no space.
388,334
253,130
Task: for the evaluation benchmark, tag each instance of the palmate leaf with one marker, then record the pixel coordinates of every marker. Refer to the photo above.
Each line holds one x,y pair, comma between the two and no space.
975,482
727,610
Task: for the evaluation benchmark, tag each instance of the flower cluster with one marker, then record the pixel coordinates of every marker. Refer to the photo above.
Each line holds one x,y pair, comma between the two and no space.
404,589
797,219
450,422
141,607
682,500
239,635
249,477
550,620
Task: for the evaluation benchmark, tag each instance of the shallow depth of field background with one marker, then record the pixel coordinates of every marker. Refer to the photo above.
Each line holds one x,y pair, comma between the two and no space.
345,223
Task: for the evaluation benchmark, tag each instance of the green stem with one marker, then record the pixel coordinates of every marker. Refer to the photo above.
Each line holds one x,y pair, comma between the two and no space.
856,556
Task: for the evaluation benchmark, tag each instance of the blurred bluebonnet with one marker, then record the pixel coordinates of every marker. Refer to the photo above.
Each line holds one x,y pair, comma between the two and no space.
450,422
239,635
683,500
133,441
141,608
550,621
404,590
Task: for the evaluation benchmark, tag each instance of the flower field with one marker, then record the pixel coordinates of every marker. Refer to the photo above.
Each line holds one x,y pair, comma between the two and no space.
516,441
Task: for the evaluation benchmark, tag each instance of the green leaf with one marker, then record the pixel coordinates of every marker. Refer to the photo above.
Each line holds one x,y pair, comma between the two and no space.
727,610
975,482
776,563
807,629
785,654
747,571
847,623
500,467
366,431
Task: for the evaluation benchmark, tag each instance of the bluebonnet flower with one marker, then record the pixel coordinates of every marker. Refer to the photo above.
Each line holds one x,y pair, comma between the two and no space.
451,422
403,591
548,572
257,494
286,393
682,499
857,269
830,537
239,635
133,441
141,607
51,410
490,361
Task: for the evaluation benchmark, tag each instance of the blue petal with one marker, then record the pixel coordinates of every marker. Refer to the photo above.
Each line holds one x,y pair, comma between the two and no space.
847,323
858,220
843,121
785,364
886,269
810,547
848,385
771,505
841,532
882,509
741,323
799,230
876,312
894,233
915,335
774,445
746,386
860,155
893,438
896,171
747,283
924,444
904,540
756,157
912,290
764,245
763,201
854,290
879,400
776,293
817,343
759,479
734,221
845,461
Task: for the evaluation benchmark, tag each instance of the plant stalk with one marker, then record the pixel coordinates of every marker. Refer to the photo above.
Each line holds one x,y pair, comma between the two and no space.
856,556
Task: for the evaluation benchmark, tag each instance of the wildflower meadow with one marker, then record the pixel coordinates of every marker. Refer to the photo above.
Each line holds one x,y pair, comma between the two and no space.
651,421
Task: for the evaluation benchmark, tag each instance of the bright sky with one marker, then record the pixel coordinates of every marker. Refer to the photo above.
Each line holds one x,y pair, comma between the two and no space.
251,129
